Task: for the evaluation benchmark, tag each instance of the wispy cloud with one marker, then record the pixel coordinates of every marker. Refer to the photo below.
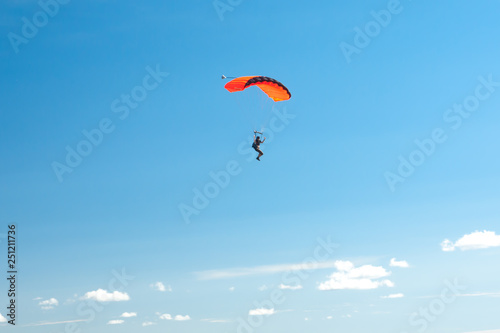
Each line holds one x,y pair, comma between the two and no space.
402,263
394,296
474,241
128,314
55,322
350,277
284,286
495,294
2,319
490,294
71,300
147,323
261,270
116,322
261,312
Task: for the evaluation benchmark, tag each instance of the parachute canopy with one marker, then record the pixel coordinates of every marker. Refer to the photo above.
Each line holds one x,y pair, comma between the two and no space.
274,89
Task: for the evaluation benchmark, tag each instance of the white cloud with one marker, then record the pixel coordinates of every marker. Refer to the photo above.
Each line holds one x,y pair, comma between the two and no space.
231,289
128,314
261,312
476,240
147,323
284,286
48,304
394,296
160,287
37,298
447,245
166,316
402,263
116,322
2,319
101,295
51,301
262,270
329,317
350,277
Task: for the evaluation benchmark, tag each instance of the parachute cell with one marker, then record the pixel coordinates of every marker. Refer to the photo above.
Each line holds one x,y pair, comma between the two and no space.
274,89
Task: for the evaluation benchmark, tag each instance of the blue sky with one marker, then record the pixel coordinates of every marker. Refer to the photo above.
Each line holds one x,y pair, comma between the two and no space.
388,150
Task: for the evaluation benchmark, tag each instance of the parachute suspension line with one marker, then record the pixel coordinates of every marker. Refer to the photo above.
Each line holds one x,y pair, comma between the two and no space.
242,105
262,114
265,105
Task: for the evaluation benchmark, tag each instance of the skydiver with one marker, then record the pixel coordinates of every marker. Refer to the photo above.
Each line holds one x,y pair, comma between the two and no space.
256,144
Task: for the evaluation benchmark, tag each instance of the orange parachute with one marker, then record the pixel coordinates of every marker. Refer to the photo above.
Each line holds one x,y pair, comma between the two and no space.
274,89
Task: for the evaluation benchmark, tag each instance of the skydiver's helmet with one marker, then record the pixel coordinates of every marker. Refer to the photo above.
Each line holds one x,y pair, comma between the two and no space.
258,138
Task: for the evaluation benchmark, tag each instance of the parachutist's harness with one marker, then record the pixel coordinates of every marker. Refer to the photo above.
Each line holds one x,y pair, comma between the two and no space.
254,145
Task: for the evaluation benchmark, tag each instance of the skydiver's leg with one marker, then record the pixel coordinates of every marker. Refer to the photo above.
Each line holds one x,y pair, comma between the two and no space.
260,154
